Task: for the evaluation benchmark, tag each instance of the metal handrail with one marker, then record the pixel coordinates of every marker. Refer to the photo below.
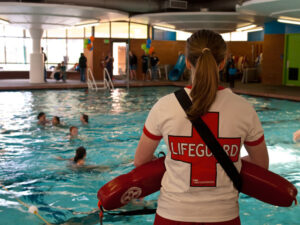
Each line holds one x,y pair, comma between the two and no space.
91,80
107,80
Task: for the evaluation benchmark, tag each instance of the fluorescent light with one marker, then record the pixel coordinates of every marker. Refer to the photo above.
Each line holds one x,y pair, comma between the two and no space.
297,22
2,21
246,27
88,23
255,29
164,28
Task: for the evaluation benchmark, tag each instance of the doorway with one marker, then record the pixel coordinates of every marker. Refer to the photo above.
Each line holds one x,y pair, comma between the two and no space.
119,55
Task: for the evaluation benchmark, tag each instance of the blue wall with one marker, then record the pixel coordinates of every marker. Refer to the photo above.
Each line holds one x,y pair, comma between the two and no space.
275,27
163,35
256,36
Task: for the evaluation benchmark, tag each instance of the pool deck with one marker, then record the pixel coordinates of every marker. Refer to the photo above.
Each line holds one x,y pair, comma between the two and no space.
255,89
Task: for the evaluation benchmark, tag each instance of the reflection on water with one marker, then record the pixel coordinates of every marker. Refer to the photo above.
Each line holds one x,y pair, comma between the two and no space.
28,165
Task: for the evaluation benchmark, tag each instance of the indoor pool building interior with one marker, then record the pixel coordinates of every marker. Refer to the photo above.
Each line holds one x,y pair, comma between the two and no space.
134,53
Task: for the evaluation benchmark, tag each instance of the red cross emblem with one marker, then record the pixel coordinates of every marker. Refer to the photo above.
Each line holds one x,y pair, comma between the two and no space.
193,150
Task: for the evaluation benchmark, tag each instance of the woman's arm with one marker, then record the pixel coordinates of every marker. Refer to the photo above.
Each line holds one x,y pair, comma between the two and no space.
258,154
145,150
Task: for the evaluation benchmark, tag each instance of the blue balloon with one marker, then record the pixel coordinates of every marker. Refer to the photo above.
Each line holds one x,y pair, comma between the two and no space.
148,45
149,41
89,41
91,48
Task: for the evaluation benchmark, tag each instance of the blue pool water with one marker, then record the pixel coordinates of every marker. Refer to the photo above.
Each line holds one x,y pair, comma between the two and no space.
31,172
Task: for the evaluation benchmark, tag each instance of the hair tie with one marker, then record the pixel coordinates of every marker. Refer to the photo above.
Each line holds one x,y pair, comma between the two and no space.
205,49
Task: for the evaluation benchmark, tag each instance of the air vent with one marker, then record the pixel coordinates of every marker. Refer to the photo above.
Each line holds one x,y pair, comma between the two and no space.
176,4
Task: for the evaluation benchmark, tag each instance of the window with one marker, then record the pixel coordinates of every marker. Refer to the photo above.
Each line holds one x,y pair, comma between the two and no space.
138,31
119,30
182,36
102,30
88,32
76,32
13,31
239,36
56,50
75,47
226,36
2,56
1,30
56,33
14,50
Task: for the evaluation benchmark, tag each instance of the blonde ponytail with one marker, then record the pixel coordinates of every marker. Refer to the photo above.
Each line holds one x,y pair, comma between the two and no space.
205,51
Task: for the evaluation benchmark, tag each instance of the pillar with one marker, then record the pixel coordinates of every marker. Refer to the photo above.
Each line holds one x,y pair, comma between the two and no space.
36,74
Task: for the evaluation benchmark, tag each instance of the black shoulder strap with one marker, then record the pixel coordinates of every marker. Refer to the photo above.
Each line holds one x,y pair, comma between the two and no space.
210,140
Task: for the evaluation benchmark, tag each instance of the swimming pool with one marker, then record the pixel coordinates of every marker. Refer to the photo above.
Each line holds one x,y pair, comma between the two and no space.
30,170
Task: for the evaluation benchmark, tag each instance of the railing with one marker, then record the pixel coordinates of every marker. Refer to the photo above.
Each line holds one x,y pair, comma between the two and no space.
91,80
107,82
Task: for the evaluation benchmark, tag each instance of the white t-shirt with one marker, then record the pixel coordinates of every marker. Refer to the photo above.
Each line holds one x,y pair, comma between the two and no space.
195,187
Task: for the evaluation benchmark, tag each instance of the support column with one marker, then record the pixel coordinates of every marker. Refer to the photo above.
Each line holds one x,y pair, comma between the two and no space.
36,74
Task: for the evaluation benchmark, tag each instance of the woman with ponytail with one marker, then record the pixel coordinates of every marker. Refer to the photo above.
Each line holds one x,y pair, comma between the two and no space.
195,189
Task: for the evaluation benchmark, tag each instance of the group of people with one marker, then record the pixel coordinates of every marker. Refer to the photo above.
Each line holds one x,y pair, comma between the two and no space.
73,134
148,61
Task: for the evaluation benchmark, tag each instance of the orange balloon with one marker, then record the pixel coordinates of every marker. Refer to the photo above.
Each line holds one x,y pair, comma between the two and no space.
89,46
92,38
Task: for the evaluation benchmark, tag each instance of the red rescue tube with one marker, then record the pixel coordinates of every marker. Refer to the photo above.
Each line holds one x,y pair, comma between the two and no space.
258,183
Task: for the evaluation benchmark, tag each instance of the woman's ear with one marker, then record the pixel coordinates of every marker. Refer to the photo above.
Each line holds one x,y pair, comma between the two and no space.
187,63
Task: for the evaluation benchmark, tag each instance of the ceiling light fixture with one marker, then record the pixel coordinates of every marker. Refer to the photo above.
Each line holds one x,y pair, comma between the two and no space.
289,20
246,28
164,28
255,29
2,21
88,23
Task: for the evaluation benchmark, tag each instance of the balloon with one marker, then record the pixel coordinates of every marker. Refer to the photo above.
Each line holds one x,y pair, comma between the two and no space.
149,41
92,38
147,50
148,45
86,41
89,46
143,46
92,48
85,45
89,41
151,50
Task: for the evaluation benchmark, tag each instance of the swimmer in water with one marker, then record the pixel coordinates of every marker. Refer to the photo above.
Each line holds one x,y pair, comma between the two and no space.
73,132
42,120
79,161
296,136
84,119
79,157
55,121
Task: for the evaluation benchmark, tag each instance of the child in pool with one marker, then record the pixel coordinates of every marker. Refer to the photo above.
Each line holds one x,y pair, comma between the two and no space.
84,119
296,136
79,159
55,121
42,120
73,132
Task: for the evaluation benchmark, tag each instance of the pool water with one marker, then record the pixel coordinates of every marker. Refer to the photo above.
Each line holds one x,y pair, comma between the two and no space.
31,172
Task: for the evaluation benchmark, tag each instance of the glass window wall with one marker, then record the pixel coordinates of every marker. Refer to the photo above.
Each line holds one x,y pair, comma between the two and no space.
102,30
119,30
138,31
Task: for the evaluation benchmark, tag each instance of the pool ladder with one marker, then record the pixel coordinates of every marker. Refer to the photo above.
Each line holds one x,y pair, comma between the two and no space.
107,82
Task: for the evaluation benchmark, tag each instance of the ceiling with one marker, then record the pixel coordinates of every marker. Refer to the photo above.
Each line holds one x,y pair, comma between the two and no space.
219,15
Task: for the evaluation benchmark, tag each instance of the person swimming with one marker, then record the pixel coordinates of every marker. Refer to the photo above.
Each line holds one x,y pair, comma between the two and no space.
55,121
80,155
78,162
296,136
84,119
42,120
73,132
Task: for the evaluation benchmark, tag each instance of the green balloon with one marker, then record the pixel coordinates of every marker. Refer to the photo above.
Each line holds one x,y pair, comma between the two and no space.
86,41
146,50
143,46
